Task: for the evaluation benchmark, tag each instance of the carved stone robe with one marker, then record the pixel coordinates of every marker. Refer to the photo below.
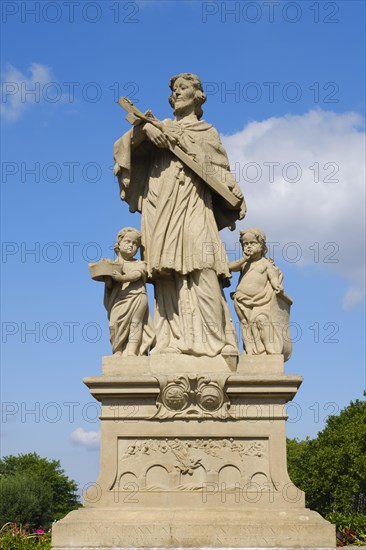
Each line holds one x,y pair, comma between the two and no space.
128,312
181,217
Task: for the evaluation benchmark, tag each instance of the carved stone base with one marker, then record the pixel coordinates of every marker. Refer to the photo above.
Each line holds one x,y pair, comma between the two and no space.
221,527
193,454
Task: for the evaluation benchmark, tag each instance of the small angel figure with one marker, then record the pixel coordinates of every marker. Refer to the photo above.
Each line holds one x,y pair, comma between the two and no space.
260,302
125,297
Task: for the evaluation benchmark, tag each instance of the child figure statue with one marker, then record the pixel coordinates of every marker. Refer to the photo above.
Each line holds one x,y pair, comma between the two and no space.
125,298
260,302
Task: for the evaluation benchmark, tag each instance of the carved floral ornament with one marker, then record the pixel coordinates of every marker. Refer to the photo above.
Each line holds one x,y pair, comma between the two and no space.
188,464
191,396
181,450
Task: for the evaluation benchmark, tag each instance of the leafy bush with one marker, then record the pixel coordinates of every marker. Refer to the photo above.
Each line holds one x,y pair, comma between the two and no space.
34,491
331,468
13,537
351,529
24,500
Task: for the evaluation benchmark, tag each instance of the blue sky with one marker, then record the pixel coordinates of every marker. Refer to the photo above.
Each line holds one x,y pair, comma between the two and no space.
285,86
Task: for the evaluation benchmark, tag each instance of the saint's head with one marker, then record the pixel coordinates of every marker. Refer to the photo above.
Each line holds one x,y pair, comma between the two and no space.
187,92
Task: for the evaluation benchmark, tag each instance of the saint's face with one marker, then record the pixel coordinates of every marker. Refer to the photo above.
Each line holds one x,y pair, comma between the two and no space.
128,246
183,94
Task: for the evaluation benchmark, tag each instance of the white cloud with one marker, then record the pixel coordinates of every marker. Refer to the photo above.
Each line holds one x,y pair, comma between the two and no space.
325,146
90,440
17,88
353,296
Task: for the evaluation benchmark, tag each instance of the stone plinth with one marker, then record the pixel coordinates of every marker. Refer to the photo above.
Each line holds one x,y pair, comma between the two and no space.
193,454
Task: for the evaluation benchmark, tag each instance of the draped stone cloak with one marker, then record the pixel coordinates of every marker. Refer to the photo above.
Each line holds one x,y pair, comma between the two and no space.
181,215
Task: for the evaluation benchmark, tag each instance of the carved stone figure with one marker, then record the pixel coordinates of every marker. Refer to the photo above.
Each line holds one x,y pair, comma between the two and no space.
188,464
260,302
193,444
125,297
181,219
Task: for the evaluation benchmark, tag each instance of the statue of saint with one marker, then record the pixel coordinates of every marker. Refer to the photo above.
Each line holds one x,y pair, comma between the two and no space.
181,219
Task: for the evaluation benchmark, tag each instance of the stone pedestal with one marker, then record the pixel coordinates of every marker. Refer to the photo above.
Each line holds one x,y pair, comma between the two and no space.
193,454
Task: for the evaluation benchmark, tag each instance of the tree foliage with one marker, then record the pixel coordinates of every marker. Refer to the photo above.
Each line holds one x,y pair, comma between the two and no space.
24,500
34,490
331,468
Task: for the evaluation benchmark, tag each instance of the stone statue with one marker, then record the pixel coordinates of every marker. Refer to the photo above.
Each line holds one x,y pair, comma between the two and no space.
193,439
125,297
181,219
260,303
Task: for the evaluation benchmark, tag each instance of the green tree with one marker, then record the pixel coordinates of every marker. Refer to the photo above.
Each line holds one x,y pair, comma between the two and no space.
331,468
24,500
39,487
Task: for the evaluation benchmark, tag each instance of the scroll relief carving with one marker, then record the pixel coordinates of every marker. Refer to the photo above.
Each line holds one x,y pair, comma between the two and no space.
192,397
188,464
